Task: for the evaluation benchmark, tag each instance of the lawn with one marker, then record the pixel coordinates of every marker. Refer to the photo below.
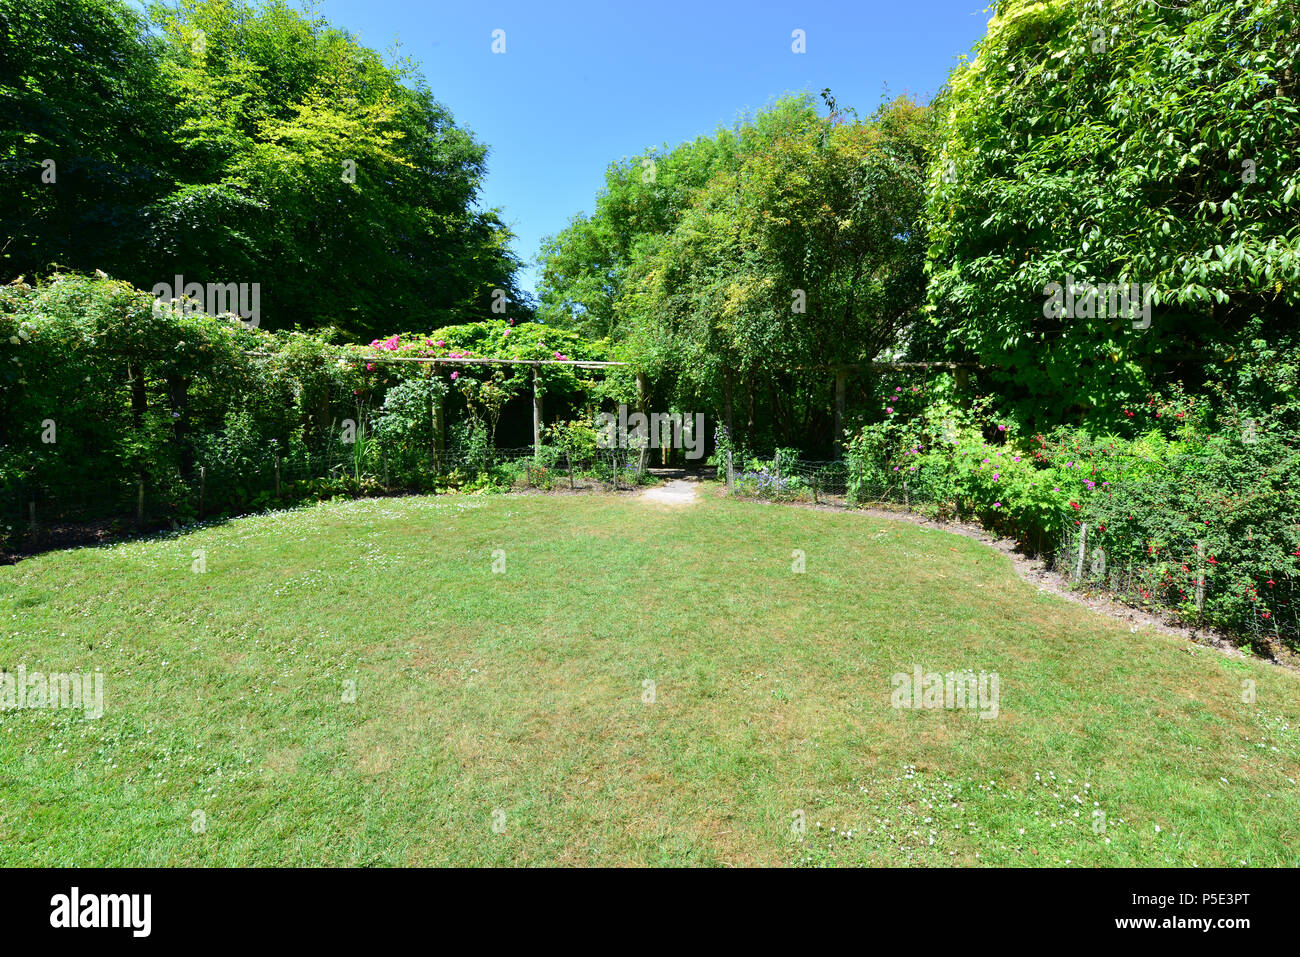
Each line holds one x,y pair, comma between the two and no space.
505,717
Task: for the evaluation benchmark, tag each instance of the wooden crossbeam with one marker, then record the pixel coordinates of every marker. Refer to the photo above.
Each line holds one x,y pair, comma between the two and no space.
579,363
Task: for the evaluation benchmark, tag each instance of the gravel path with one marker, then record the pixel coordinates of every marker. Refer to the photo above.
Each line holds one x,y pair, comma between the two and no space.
676,492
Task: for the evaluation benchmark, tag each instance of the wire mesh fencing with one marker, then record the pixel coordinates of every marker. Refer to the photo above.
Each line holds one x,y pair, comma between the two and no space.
36,516
1179,579
784,477
1182,580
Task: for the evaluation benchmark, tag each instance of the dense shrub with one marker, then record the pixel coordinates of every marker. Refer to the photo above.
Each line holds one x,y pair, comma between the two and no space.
1203,492
104,395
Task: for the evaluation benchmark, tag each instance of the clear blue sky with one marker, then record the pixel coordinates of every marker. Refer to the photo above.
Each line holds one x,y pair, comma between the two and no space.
586,82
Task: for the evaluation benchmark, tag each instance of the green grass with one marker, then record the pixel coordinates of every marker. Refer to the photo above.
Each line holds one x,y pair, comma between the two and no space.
523,692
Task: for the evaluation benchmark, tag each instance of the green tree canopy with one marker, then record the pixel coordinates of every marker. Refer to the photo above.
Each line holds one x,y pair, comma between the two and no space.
1119,142
759,260
238,143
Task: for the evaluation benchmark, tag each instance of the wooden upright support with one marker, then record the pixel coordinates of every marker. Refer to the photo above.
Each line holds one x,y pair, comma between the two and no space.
642,391
439,433
1083,551
841,381
537,413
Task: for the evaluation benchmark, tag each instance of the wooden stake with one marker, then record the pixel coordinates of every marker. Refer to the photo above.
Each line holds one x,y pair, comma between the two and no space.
1083,548
1200,576
642,390
537,414
439,434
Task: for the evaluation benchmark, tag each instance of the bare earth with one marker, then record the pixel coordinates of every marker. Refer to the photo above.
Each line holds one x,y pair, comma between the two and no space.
676,492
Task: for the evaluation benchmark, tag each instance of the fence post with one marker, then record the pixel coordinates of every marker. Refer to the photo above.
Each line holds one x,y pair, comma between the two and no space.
537,415
568,459
642,393
439,434
277,476
1200,576
31,512
203,482
731,475
1083,548
139,502
815,501
907,498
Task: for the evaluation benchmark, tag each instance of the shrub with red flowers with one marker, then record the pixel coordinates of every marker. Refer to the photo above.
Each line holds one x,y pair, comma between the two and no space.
1213,516
1198,515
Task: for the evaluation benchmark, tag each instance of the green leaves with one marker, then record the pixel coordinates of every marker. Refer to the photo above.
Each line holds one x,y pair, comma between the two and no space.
788,243
1168,160
235,143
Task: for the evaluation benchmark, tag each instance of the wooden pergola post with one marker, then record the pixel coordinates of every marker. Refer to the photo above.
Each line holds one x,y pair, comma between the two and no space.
642,390
841,381
439,432
537,413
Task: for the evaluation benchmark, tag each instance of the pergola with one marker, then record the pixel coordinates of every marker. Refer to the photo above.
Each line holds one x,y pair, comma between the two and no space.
535,363
841,377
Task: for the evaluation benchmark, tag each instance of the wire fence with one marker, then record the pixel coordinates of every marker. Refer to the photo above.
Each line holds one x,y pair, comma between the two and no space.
781,477
36,516
1189,586
1182,581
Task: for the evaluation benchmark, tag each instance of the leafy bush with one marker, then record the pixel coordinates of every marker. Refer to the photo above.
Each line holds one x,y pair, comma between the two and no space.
1202,493
404,429
102,395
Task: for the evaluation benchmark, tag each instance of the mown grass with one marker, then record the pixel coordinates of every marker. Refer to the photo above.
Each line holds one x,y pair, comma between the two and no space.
522,692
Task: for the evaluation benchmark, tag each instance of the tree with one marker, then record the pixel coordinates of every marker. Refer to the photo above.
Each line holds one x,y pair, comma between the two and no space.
1116,143
282,153
804,258
585,266
80,99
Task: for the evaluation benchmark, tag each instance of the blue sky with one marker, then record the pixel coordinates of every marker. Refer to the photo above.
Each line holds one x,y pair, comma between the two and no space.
584,83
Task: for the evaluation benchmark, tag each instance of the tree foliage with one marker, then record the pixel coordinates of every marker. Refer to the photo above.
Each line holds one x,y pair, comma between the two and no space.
1120,142
727,265
239,143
